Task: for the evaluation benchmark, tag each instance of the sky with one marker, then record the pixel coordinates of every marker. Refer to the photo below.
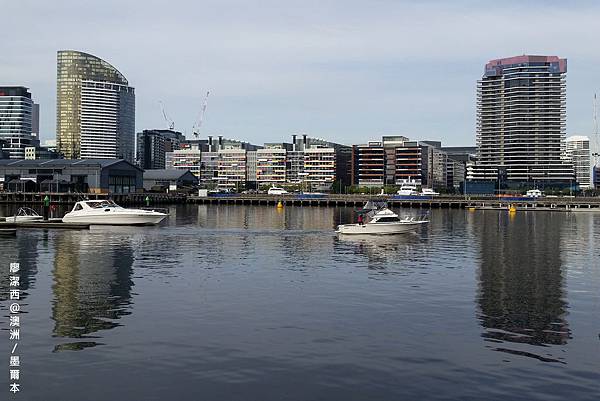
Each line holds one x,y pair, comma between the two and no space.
346,71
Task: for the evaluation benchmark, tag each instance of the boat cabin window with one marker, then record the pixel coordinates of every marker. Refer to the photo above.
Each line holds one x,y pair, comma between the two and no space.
94,205
387,219
78,207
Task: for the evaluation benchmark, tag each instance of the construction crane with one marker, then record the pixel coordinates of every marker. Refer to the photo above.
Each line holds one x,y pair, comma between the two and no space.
198,123
170,122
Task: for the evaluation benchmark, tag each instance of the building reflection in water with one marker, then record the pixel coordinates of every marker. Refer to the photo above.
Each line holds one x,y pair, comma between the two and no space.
92,284
521,296
23,249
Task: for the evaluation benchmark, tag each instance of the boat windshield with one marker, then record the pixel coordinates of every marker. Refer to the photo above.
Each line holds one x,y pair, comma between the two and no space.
101,204
390,219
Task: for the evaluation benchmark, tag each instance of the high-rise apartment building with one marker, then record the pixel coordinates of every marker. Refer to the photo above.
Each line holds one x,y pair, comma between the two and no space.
16,108
95,108
577,151
521,120
152,145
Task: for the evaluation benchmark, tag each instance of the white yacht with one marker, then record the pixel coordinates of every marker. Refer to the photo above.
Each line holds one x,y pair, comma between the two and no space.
24,214
408,188
429,192
108,212
534,193
382,221
277,191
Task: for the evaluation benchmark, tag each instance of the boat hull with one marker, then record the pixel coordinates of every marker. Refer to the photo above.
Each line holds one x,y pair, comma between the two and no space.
379,229
19,219
116,219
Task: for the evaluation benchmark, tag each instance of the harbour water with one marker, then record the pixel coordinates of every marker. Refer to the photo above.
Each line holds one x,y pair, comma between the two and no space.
255,303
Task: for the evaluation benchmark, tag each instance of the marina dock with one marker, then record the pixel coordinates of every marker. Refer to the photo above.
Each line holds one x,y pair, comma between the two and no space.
45,225
423,202
335,200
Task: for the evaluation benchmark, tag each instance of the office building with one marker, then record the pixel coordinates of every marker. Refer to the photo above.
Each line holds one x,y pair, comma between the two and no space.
95,108
16,108
577,151
521,119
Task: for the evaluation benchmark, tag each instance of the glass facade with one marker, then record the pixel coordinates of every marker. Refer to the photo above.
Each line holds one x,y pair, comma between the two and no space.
74,67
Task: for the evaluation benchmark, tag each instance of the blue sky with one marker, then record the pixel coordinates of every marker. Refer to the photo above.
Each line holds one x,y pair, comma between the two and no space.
347,71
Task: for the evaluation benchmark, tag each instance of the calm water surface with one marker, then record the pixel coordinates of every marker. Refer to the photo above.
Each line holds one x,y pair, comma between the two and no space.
254,303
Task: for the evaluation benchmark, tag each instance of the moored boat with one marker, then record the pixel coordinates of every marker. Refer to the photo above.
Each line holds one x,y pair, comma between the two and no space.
24,214
106,212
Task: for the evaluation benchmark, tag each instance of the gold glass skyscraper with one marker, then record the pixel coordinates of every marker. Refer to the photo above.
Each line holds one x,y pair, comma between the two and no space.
103,119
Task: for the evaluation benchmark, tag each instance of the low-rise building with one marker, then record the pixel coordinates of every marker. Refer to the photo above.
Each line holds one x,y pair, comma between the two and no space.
73,175
169,180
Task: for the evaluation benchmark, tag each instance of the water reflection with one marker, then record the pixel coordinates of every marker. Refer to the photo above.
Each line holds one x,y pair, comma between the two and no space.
92,284
22,249
521,296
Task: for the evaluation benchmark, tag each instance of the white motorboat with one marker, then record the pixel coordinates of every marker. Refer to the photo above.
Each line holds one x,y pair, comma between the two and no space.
382,221
277,191
24,214
429,192
408,188
107,212
534,193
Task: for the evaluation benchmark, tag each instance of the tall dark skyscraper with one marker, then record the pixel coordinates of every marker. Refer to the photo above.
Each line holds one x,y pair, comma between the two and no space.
521,120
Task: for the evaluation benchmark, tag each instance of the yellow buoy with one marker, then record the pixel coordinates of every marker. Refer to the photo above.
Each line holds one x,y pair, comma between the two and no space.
279,205
512,209
471,209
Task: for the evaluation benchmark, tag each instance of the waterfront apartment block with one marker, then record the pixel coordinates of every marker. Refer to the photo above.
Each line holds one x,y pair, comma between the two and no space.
185,159
271,164
521,120
232,168
319,170
577,151
16,108
395,160
368,164
409,162
95,108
